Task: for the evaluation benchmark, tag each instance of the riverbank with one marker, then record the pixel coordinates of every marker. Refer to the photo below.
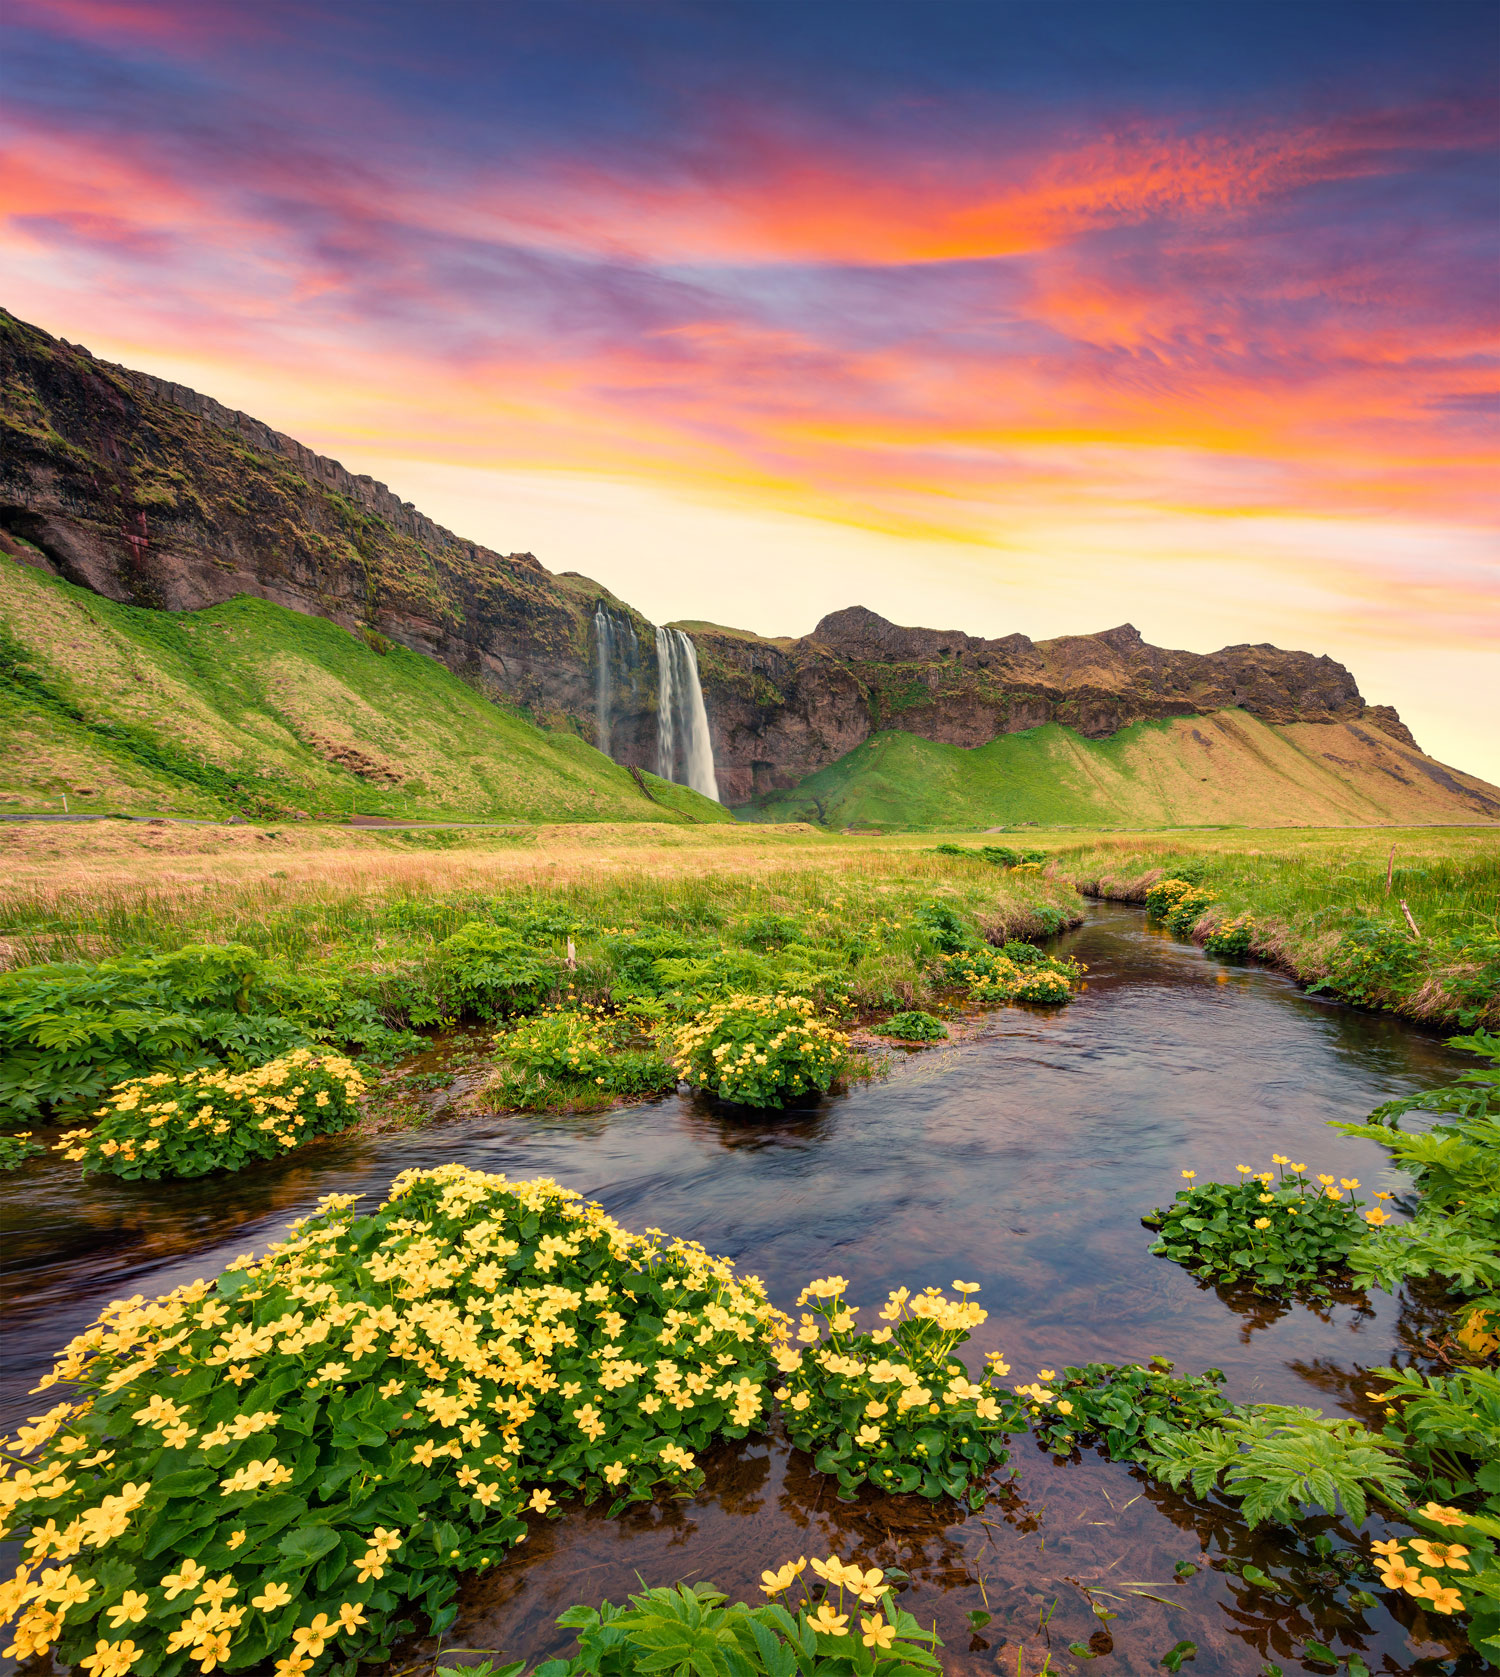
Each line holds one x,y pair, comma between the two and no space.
1406,922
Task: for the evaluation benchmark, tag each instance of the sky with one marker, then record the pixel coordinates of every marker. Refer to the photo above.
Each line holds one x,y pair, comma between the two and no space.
989,315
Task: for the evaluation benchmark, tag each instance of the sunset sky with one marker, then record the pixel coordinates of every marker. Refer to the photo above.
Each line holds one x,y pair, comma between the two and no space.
1037,316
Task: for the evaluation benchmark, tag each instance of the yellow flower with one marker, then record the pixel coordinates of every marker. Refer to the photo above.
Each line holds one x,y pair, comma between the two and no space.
235,1539
1441,1554
1442,1515
111,1659
1398,1574
1442,1598
1262,1222
1190,1174
132,1608
878,1632
216,1591
1244,1170
541,1501
1377,1216
273,1596
868,1436
188,1577
1390,1547
829,1623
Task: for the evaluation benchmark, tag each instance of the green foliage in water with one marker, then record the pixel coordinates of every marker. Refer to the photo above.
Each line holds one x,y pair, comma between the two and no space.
764,1051
16,1149
893,1407
1274,1230
856,1630
301,1458
193,1122
914,1026
1455,1166
1277,1462
1125,1407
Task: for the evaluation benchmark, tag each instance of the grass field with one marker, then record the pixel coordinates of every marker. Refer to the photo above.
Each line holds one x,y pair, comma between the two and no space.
1191,771
251,707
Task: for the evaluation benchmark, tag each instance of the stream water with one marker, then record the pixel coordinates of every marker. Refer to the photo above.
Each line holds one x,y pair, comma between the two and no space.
1022,1160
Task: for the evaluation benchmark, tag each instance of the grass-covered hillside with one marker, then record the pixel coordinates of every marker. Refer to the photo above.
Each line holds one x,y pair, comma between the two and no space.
1226,768
249,706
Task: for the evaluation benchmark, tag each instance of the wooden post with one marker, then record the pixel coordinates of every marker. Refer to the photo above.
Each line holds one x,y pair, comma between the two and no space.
1390,863
572,957
1410,922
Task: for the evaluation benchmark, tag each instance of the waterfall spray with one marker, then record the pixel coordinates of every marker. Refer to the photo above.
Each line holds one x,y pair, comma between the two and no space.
604,645
682,712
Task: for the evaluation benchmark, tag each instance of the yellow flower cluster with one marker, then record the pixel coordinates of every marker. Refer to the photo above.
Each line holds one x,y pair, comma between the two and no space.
186,1123
473,1336
760,1050
896,1378
1415,1573
864,1584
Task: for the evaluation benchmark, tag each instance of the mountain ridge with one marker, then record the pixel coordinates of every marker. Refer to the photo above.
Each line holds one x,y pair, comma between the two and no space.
151,494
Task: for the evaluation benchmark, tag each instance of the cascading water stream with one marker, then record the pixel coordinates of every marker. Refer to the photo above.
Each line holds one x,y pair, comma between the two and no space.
682,714
604,646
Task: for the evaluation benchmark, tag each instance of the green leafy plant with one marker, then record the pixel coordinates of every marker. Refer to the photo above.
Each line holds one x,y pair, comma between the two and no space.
1278,1461
894,1407
572,1055
16,1149
914,1026
856,1630
944,927
759,1050
1454,1568
301,1458
489,971
1448,1429
1455,1166
1125,1407
189,1123
1231,937
1275,1230
1178,903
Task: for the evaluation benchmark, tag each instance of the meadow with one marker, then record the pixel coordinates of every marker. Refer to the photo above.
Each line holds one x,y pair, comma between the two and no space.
386,1400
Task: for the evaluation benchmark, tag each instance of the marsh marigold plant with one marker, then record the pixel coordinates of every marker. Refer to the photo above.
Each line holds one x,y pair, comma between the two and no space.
759,1050
297,1460
189,1123
893,1405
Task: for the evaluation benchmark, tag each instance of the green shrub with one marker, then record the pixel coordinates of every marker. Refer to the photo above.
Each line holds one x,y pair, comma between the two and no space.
16,1149
302,1457
944,927
1124,1407
1275,1230
189,1123
567,1052
914,1026
894,1407
487,970
857,1630
994,975
759,1050
772,931
70,1031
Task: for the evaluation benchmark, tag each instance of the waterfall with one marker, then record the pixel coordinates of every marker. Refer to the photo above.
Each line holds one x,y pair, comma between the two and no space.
680,712
604,646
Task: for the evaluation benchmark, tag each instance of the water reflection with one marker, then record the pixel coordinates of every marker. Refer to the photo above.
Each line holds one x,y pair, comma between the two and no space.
1022,1160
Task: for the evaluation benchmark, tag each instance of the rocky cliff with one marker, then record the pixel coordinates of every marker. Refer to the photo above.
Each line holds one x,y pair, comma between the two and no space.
153,495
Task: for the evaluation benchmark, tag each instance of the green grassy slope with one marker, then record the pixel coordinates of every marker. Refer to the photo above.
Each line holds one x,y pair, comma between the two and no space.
1227,768
250,706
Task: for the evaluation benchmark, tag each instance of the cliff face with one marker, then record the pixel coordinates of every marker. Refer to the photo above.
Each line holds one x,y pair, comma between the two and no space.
784,710
153,495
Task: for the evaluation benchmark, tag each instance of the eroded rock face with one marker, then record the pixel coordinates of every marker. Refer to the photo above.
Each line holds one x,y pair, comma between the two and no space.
154,495
786,709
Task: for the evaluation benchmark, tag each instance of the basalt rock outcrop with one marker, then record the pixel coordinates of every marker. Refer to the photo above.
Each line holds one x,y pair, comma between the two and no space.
153,495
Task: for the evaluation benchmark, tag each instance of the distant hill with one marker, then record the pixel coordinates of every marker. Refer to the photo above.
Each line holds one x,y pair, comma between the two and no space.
1224,768
249,706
